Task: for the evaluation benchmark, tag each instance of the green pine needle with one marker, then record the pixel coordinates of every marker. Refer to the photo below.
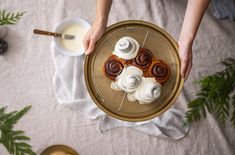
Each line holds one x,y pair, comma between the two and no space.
8,18
14,141
214,96
233,114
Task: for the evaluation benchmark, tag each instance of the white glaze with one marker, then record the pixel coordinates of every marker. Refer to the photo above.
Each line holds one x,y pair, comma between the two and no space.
126,48
128,80
148,91
75,44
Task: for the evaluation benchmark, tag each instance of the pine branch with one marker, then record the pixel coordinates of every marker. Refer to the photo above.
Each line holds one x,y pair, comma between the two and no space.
7,18
214,95
233,114
14,141
12,118
196,109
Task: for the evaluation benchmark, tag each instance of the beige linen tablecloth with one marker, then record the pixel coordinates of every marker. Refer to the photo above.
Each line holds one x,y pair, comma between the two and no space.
26,79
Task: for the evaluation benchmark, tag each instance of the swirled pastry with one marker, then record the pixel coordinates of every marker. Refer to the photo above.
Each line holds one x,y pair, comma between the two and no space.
135,71
113,67
143,60
129,80
148,91
160,71
126,48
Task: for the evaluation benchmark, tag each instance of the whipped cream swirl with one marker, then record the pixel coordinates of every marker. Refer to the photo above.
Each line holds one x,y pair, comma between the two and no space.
129,80
126,48
147,92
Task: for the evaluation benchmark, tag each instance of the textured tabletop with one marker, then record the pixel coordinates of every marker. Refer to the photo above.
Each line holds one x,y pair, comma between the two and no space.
26,79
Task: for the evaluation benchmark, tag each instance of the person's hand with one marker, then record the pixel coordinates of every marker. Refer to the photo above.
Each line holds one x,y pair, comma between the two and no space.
185,53
94,34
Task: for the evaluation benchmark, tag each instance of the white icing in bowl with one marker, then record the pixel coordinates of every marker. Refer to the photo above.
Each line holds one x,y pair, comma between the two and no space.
72,26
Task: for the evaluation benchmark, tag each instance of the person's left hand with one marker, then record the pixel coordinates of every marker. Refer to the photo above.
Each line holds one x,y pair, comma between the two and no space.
185,53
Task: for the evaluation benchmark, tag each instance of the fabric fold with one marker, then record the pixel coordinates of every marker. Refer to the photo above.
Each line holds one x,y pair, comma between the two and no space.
224,9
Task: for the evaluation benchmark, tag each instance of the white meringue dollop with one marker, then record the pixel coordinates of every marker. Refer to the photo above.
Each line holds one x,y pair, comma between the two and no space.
148,91
126,48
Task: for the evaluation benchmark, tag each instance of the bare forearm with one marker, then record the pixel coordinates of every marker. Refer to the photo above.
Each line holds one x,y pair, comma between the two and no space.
99,25
102,10
192,19
194,13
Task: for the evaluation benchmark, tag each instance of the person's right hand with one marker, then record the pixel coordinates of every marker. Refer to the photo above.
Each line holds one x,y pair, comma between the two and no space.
94,34
186,57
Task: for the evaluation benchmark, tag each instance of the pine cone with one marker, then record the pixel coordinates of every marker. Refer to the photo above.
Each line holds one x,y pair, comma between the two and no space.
3,46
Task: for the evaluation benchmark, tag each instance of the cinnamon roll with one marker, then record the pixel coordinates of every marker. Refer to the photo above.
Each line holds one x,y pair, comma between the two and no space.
113,67
160,71
126,48
143,59
129,80
148,91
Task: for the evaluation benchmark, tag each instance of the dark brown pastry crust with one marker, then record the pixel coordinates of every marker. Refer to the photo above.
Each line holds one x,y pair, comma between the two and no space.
143,59
160,71
113,67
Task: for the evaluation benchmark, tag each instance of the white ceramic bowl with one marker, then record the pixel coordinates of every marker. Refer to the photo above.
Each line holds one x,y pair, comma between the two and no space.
62,27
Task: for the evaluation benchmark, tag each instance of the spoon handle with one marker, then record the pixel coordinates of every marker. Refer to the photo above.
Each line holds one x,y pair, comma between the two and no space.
42,32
